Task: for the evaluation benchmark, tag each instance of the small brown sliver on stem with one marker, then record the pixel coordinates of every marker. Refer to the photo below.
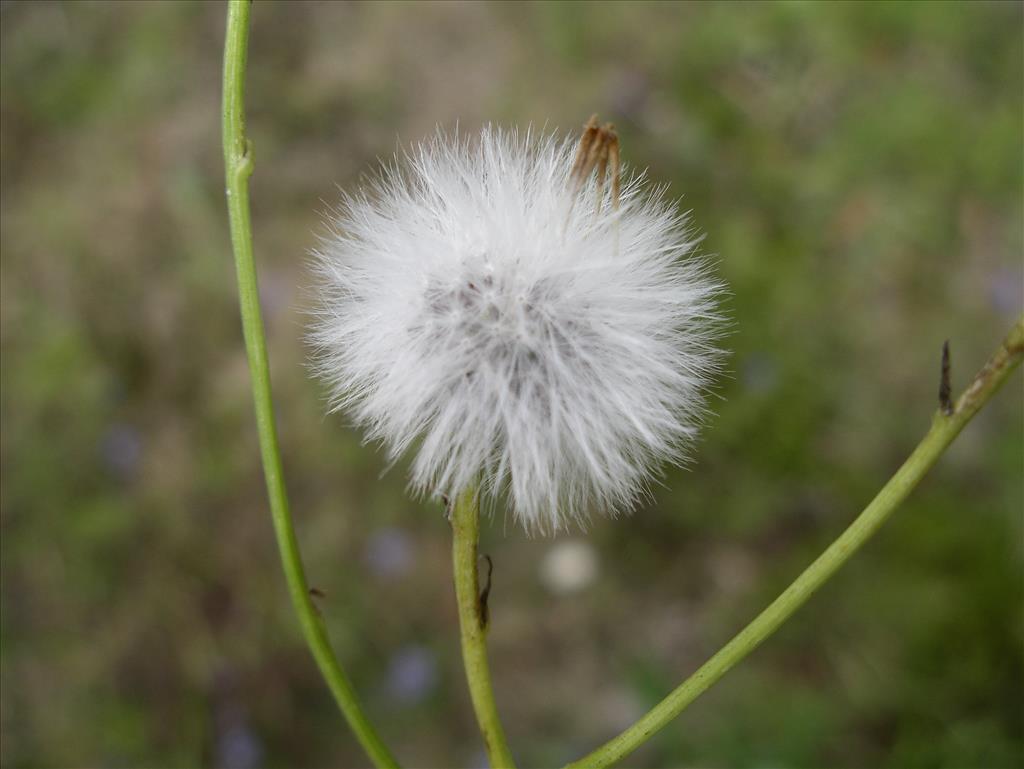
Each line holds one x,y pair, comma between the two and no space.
945,385
484,613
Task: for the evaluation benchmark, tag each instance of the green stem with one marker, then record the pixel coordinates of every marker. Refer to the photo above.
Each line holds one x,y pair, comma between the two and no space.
944,428
473,626
239,166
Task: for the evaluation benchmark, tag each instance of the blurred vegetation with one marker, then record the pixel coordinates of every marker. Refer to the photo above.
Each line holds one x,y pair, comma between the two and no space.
857,170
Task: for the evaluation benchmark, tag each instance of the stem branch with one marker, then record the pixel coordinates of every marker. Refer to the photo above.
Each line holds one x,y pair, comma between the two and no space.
945,427
238,163
473,626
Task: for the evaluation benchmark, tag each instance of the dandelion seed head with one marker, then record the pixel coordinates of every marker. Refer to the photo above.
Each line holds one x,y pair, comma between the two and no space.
510,328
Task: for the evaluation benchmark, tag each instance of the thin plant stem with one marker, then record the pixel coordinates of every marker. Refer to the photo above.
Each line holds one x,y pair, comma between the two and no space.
238,162
946,425
465,520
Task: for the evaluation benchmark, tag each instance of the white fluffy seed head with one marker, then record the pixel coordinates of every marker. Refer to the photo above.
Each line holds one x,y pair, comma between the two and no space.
514,330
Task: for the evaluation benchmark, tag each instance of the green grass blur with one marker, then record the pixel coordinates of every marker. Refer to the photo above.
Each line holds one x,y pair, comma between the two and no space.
857,170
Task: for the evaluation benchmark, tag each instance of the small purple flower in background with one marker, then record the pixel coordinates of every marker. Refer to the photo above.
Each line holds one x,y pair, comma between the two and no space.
412,674
121,449
1005,290
236,744
389,552
238,747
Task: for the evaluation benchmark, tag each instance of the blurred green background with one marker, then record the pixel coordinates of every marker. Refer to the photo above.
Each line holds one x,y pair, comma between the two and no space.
857,169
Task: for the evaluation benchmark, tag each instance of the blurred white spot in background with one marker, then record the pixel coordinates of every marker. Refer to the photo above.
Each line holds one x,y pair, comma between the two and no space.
569,567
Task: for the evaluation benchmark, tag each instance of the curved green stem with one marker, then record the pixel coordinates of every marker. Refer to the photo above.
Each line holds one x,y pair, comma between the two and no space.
945,427
239,165
473,626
